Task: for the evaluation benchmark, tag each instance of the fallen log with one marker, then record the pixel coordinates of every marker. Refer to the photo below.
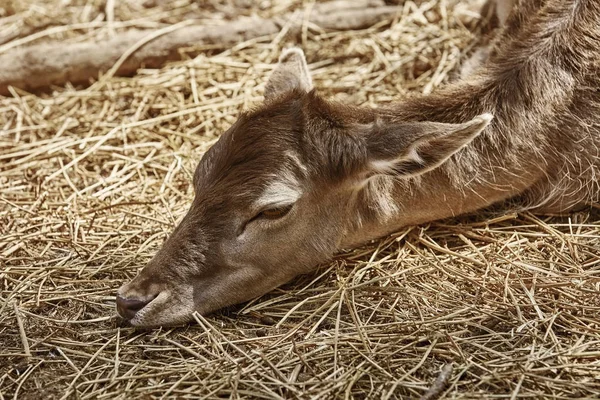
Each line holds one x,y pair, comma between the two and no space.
37,67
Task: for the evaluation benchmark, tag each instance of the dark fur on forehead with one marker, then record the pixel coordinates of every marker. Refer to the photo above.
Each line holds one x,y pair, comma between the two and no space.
322,134
335,135
255,143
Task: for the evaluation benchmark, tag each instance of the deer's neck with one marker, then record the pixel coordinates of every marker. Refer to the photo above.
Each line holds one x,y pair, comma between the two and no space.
501,163
543,142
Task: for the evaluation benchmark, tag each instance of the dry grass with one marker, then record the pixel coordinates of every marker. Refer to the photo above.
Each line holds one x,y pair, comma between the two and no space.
92,181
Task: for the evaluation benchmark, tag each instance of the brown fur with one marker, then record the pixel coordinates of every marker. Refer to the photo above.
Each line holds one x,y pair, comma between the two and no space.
363,173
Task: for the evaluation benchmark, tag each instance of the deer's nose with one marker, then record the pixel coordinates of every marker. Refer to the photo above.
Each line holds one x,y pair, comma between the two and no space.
127,308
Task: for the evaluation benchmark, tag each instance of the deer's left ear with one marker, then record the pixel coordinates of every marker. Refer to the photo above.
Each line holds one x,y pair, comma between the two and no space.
290,74
413,148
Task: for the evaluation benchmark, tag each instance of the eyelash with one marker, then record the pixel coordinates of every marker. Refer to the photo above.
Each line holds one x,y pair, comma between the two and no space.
273,213
280,212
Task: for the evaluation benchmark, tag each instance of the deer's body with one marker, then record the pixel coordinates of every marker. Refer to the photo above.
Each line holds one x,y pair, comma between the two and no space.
301,177
542,84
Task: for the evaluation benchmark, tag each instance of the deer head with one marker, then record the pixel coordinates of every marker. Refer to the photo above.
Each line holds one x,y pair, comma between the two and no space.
276,195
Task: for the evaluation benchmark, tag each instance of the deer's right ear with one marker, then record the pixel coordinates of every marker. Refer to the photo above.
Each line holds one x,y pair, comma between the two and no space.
290,74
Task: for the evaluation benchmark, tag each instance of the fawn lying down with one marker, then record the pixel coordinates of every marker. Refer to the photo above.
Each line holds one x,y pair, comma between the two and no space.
294,181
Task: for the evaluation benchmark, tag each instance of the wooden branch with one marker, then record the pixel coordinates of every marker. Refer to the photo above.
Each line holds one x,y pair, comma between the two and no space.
39,66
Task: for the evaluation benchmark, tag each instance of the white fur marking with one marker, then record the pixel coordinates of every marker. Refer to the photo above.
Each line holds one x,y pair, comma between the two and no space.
278,193
296,160
387,166
413,155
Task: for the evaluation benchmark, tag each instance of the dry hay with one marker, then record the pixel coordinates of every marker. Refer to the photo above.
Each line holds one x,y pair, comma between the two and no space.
92,181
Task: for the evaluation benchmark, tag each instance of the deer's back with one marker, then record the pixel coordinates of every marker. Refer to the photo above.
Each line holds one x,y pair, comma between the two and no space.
547,93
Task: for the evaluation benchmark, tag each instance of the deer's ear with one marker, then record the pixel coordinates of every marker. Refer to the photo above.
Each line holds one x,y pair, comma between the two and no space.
413,148
291,73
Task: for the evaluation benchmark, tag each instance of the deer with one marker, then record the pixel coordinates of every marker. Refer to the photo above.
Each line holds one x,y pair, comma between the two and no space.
301,177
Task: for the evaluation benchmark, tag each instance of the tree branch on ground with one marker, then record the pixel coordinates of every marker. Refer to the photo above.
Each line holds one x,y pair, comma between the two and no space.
38,67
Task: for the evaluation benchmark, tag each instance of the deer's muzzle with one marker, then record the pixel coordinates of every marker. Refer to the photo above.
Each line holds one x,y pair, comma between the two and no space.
127,308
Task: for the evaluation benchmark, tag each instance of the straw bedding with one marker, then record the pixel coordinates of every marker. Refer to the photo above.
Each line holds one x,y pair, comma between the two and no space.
93,179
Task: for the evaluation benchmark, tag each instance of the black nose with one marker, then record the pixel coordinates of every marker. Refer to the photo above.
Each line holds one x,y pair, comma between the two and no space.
127,308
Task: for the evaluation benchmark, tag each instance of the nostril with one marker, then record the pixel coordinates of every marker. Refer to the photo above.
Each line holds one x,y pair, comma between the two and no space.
127,308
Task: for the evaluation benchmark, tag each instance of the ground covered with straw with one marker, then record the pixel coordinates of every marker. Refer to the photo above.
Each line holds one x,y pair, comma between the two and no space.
93,179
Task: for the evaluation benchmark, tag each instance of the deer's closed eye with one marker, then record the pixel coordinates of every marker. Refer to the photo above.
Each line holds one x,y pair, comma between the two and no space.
268,214
273,213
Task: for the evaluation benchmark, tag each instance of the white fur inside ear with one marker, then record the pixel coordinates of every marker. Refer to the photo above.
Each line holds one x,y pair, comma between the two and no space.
291,73
413,155
485,118
292,54
387,166
382,166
